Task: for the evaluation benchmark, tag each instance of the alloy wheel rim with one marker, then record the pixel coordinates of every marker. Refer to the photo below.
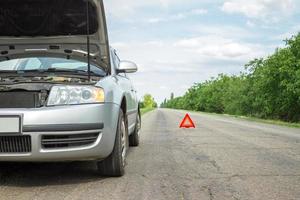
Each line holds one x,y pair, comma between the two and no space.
123,142
138,125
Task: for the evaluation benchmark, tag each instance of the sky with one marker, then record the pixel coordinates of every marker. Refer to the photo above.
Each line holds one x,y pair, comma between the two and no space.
177,43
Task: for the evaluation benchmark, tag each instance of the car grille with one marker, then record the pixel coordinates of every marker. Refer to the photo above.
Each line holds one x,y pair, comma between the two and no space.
67,141
19,99
15,144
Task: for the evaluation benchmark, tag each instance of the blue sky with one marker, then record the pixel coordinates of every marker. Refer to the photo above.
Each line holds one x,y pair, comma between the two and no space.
177,43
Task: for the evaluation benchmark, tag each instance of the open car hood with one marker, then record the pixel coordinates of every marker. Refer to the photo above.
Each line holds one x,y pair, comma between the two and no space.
54,28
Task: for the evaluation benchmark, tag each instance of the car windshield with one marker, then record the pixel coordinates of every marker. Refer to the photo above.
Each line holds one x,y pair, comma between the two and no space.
46,63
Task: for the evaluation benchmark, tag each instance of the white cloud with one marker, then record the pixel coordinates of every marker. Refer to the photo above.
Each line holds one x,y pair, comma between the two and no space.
156,20
266,10
163,87
123,8
199,11
250,24
178,16
289,33
225,31
173,66
219,47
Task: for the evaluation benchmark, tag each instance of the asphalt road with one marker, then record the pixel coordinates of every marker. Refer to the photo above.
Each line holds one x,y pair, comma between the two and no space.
223,158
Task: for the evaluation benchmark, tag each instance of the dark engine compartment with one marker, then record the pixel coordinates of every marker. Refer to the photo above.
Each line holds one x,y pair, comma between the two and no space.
22,99
24,95
33,92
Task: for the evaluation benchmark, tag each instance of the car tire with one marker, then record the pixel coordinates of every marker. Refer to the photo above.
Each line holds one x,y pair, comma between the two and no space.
134,138
114,165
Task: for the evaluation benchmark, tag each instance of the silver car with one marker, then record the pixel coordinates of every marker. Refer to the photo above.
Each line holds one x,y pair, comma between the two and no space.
64,93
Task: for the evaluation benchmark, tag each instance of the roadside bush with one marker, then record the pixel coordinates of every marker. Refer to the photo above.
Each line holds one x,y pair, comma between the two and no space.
269,88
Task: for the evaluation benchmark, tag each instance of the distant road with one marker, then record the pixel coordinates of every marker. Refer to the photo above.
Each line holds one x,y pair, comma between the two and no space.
223,158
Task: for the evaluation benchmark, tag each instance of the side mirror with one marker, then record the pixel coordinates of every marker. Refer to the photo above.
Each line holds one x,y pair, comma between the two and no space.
127,67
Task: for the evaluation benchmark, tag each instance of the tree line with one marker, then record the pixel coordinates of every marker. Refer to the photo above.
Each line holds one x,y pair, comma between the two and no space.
268,88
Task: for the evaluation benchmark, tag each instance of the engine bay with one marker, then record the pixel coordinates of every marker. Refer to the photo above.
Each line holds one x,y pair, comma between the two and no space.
33,92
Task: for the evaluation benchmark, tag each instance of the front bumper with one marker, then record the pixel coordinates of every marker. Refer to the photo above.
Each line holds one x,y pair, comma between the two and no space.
73,121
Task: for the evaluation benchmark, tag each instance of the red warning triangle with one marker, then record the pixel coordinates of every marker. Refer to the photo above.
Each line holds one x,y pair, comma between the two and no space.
187,122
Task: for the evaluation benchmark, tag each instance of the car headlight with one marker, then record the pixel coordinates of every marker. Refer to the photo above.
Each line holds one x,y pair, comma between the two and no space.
72,95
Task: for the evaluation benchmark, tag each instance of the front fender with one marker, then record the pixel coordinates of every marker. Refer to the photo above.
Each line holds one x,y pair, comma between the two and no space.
113,93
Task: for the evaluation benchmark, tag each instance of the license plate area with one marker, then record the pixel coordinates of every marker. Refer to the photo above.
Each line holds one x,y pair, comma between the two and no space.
10,124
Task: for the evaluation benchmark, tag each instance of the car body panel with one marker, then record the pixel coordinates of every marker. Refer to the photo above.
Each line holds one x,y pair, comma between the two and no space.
95,113
128,89
72,119
116,87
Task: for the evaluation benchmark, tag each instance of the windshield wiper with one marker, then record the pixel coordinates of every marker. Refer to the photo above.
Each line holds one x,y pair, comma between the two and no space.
10,72
47,71
52,70
71,71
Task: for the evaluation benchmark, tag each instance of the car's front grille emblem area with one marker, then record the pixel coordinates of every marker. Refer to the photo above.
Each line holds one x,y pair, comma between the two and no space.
15,144
68,141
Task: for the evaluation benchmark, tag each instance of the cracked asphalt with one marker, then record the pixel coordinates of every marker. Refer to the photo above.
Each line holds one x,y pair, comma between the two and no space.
223,158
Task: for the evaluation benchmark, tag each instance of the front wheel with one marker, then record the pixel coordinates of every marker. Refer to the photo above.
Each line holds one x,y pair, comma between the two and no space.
134,138
114,165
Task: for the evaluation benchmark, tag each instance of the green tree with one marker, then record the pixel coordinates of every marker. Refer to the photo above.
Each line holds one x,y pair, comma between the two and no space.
268,88
148,101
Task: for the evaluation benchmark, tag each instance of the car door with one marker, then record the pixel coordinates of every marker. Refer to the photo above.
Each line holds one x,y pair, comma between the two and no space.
130,93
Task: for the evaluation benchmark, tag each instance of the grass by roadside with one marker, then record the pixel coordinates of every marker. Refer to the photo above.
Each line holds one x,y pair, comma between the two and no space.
268,121
145,110
254,119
